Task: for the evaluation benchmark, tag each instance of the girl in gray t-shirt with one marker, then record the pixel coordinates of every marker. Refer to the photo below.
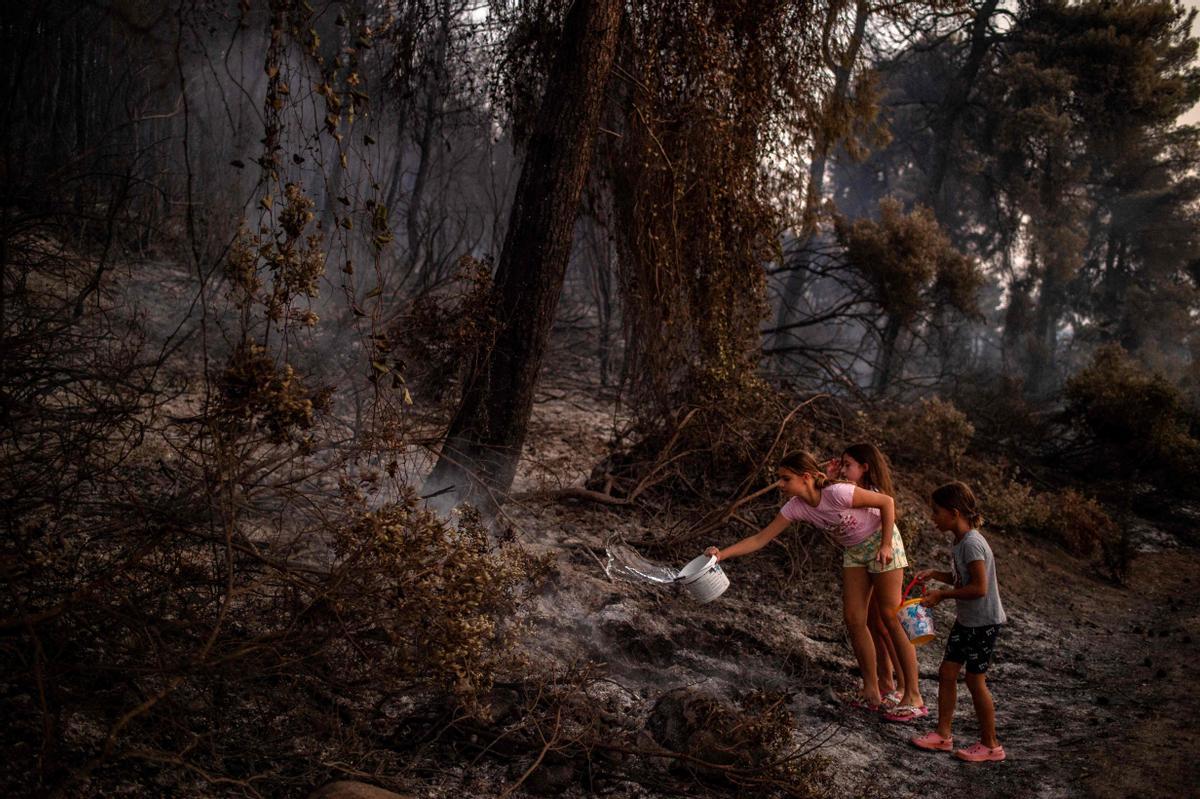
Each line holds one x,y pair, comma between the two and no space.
979,619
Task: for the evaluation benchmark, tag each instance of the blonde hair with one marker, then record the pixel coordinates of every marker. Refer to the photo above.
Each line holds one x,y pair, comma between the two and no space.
802,462
958,496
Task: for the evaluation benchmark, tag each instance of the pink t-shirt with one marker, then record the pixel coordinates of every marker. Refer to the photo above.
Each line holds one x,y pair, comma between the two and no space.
835,515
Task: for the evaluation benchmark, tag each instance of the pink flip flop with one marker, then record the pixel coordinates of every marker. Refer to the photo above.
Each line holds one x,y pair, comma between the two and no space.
863,704
978,753
932,742
903,714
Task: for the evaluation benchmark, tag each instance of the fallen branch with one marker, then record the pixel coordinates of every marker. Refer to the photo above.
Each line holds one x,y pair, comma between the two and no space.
541,755
716,519
605,497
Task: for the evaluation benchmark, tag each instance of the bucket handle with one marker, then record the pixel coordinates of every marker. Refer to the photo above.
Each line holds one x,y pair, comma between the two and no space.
908,590
712,561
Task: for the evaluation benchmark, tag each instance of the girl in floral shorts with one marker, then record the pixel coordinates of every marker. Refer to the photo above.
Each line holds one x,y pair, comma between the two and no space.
872,567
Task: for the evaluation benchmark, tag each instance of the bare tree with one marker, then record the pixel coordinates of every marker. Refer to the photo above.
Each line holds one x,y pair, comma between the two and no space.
485,438
833,124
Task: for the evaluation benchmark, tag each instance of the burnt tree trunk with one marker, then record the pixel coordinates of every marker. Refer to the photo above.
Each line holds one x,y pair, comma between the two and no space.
887,356
1043,352
427,151
480,454
946,126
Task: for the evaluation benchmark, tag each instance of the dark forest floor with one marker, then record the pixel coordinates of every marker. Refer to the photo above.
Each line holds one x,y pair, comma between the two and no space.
1094,684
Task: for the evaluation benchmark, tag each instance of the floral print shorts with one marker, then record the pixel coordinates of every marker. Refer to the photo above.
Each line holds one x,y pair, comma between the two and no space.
863,553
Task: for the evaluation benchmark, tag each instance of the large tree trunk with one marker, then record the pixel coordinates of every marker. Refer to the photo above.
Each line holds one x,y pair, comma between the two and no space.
1043,352
427,148
946,127
950,116
480,454
887,356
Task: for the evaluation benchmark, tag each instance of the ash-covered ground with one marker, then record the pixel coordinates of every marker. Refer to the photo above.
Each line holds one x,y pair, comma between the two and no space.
1094,684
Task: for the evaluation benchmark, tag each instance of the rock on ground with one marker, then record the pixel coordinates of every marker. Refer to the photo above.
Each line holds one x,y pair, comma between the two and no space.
348,789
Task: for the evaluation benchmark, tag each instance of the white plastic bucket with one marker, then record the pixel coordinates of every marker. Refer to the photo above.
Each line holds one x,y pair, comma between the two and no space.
703,578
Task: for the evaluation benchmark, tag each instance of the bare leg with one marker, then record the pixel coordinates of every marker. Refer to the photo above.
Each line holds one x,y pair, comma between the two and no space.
985,710
856,595
947,696
888,587
887,664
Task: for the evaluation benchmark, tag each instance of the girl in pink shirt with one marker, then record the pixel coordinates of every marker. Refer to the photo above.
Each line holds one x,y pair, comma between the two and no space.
863,522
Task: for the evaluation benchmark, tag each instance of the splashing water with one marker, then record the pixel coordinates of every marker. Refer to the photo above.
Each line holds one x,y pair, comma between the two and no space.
624,563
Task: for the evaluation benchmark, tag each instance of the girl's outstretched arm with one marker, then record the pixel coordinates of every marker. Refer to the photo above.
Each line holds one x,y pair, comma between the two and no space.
935,574
974,589
887,518
752,543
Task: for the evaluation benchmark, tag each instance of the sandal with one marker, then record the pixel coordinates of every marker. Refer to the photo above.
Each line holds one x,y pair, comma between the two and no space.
861,703
932,742
893,699
906,713
978,753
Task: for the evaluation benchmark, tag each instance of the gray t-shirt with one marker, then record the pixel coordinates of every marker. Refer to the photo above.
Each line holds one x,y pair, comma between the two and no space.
986,610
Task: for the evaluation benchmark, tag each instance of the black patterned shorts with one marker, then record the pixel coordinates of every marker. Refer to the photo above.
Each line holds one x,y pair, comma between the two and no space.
972,645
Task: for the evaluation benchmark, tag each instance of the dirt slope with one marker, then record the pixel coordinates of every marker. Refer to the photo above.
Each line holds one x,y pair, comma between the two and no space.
1094,684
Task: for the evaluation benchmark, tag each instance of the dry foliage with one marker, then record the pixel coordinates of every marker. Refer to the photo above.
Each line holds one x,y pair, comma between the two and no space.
1067,518
909,263
724,450
437,336
443,594
1135,419
706,92
931,432
187,600
749,743
558,730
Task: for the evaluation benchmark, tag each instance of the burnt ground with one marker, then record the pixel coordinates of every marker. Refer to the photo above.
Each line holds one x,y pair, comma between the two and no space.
1093,683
